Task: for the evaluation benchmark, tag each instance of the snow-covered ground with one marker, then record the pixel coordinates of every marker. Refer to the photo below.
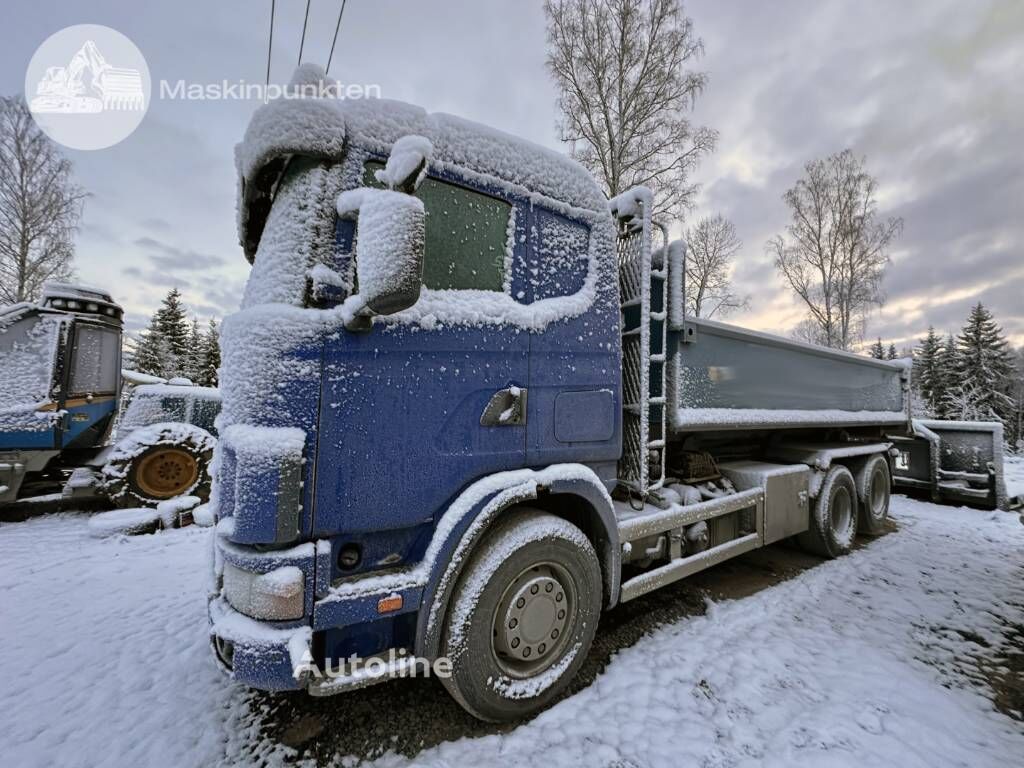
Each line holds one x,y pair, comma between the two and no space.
891,656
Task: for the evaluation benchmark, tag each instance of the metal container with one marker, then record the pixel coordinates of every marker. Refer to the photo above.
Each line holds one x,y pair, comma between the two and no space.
725,377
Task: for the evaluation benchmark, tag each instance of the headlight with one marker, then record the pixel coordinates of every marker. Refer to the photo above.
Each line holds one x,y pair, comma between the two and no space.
276,595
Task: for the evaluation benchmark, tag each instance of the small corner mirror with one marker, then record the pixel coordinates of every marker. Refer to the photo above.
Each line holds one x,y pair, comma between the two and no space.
388,251
407,164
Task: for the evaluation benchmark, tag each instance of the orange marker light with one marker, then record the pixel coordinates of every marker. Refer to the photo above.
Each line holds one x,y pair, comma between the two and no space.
389,604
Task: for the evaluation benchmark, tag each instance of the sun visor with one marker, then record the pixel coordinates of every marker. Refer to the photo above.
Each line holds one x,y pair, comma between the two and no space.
296,124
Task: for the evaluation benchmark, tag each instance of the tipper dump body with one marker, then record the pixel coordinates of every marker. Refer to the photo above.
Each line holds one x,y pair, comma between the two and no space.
725,377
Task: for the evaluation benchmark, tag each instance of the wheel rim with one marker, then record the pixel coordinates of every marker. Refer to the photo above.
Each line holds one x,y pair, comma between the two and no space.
878,494
533,620
842,510
166,473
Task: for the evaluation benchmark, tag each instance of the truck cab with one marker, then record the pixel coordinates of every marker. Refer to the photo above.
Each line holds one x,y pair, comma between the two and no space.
60,362
362,457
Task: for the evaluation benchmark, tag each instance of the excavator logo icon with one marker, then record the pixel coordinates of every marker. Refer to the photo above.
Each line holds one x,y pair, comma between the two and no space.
87,86
65,89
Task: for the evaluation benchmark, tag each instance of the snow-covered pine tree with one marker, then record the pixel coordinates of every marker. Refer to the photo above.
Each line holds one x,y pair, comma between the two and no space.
947,378
927,375
984,368
966,403
163,349
145,352
891,353
1015,427
192,364
153,354
172,322
877,351
129,348
211,356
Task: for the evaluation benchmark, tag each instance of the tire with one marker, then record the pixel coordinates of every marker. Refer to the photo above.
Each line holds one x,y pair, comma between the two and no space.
512,649
834,518
874,485
159,462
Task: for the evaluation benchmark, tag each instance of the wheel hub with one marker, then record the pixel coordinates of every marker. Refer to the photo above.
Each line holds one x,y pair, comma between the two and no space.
532,620
166,473
878,489
842,510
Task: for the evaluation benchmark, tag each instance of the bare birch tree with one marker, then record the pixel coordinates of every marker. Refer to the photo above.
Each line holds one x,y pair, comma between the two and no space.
712,244
836,249
40,206
624,92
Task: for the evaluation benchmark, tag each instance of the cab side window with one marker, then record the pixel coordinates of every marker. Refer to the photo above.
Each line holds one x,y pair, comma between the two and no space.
466,235
95,361
204,412
560,255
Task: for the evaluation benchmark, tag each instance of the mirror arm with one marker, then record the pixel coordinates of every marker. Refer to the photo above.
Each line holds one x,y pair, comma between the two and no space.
361,322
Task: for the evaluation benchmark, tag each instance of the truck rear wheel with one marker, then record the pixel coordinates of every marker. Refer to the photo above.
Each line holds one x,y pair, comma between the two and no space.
873,488
157,463
523,616
834,518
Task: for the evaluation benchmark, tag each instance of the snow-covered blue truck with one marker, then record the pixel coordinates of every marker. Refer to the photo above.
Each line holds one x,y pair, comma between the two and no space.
464,411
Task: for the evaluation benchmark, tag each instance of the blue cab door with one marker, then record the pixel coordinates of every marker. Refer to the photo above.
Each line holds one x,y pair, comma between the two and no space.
400,416
400,430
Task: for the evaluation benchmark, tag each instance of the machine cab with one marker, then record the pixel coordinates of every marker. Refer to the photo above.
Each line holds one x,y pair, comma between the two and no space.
60,362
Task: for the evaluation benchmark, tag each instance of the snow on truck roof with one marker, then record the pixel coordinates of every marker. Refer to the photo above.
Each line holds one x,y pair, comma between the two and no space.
320,127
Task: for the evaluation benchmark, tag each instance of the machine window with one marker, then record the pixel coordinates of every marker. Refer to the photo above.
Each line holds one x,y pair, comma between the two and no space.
95,360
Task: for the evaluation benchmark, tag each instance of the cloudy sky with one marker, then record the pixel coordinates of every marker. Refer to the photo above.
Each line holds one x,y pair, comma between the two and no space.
931,92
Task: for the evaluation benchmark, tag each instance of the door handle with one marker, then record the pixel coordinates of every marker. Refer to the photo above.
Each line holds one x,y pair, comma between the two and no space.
506,408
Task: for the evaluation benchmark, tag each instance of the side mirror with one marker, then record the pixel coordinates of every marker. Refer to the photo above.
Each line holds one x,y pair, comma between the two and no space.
388,251
407,164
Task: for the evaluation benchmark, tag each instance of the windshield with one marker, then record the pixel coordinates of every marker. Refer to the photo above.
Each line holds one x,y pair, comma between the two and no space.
96,361
148,408
28,348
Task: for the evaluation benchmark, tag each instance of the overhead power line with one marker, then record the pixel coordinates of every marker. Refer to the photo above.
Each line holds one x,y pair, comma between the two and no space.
270,45
302,43
335,40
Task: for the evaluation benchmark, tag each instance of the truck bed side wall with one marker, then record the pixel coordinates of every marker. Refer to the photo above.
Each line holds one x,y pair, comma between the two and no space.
732,377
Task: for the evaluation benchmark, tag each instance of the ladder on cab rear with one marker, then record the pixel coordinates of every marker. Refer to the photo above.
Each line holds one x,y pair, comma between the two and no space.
643,302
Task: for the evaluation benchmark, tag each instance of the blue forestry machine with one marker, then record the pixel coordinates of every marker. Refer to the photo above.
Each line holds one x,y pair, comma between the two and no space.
60,389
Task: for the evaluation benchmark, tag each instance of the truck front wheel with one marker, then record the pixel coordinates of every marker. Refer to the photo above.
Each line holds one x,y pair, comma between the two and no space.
523,616
833,521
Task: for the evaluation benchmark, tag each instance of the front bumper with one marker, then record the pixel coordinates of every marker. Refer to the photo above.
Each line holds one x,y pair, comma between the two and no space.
259,655
278,656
